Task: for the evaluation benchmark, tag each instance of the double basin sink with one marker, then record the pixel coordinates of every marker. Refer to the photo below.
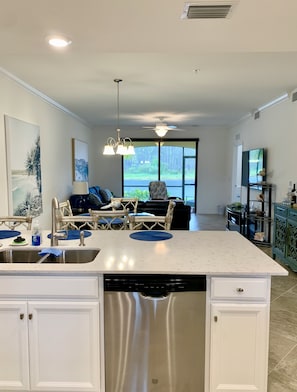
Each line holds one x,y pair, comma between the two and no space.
69,256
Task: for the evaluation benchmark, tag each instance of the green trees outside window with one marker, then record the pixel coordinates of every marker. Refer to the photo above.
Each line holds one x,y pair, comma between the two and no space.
172,161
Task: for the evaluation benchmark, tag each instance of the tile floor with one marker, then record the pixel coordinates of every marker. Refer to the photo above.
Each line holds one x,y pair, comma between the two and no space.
207,222
283,317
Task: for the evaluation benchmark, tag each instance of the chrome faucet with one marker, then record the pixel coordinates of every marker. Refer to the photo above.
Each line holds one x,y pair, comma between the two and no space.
54,231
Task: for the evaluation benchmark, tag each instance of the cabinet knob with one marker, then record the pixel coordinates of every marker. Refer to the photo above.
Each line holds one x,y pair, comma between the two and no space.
21,316
30,316
215,319
240,290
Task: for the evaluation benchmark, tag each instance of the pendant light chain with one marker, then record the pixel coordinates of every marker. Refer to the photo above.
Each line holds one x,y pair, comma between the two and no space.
118,81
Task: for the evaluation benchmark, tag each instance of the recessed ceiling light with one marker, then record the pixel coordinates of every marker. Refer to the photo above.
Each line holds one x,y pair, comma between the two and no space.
59,42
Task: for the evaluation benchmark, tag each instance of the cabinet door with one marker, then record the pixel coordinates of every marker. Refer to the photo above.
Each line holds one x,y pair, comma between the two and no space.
279,239
64,346
14,360
239,347
291,249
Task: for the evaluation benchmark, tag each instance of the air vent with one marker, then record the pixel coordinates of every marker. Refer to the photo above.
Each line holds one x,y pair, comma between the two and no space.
203,10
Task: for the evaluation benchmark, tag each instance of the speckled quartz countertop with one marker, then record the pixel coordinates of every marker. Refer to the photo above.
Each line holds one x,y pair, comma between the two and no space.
188,252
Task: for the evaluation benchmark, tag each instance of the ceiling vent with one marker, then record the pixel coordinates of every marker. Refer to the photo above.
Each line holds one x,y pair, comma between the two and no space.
208,10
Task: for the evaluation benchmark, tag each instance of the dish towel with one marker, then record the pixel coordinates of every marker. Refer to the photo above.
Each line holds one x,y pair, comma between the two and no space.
50,251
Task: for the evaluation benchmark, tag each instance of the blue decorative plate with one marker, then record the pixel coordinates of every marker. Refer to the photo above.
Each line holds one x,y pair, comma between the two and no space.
151,235
73,234
8,233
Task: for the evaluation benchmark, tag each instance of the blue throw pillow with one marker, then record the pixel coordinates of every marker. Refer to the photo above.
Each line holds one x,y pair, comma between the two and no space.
95,190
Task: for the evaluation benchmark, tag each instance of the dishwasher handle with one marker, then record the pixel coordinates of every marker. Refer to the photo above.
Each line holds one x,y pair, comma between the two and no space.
155,295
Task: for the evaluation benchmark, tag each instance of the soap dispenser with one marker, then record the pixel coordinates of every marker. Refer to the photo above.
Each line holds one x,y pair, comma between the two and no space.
36,234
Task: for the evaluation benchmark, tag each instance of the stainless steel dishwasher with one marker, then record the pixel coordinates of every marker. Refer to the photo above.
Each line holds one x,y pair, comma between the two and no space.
154,333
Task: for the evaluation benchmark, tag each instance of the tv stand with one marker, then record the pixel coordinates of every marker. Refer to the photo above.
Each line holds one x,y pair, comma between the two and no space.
236,219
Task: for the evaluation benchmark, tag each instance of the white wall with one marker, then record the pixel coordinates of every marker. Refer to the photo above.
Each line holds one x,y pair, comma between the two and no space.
57,129
214,176
275,130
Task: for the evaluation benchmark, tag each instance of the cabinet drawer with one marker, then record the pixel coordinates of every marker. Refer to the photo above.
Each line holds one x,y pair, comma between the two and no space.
280,210
292,214
239,288
49,286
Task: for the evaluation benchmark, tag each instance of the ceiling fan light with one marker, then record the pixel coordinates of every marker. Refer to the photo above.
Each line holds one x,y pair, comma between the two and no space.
161,131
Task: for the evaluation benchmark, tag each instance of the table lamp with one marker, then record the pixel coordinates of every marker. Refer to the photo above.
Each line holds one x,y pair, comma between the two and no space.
81,189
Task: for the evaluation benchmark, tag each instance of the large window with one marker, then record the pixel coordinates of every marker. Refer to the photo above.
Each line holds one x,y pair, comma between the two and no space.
172,161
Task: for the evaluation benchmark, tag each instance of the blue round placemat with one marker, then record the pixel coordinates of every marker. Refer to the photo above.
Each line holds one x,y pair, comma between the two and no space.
9,233
151,235
73,234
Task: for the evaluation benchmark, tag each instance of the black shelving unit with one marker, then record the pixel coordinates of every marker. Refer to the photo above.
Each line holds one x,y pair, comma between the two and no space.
259,212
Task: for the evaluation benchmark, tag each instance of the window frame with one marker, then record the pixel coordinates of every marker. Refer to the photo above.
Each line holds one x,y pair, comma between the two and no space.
159,141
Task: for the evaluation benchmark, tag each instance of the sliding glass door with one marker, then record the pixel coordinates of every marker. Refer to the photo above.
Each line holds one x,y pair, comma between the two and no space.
172,161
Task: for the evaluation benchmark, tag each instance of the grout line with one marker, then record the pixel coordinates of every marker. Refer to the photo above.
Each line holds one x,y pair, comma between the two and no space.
285,292
283,358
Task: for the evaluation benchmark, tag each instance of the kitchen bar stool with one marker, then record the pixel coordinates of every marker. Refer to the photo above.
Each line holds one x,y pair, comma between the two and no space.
138,222
110,220
13,221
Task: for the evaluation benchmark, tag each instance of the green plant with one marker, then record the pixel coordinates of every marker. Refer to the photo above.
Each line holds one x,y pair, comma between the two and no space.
141,194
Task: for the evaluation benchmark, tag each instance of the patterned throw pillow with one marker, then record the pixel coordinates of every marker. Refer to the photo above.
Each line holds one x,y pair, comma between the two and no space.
106,195
95,200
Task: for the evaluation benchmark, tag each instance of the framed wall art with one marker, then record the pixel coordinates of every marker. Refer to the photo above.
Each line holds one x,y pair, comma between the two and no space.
23,167
80,160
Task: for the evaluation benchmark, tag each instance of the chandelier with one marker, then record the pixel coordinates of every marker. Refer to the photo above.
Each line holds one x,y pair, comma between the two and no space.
120,146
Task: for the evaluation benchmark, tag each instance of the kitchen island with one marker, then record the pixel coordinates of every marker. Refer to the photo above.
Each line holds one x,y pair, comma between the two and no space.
50,307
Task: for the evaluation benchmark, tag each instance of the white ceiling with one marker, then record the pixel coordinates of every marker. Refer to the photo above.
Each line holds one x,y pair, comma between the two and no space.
242,62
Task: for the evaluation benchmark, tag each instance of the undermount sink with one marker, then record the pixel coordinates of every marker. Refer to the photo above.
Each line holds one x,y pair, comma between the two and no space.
68,256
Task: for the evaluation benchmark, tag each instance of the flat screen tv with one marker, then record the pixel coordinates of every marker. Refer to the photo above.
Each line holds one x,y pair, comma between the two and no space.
253,161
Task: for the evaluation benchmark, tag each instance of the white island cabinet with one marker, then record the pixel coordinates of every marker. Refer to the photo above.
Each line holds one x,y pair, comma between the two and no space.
50,340
238,330
52,316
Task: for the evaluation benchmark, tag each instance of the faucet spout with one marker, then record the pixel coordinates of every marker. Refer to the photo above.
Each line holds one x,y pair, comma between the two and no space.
55,206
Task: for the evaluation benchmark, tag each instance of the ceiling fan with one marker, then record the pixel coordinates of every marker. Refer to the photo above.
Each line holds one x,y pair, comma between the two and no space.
161,128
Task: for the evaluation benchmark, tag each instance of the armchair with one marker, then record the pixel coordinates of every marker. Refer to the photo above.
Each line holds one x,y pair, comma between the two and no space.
158,190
